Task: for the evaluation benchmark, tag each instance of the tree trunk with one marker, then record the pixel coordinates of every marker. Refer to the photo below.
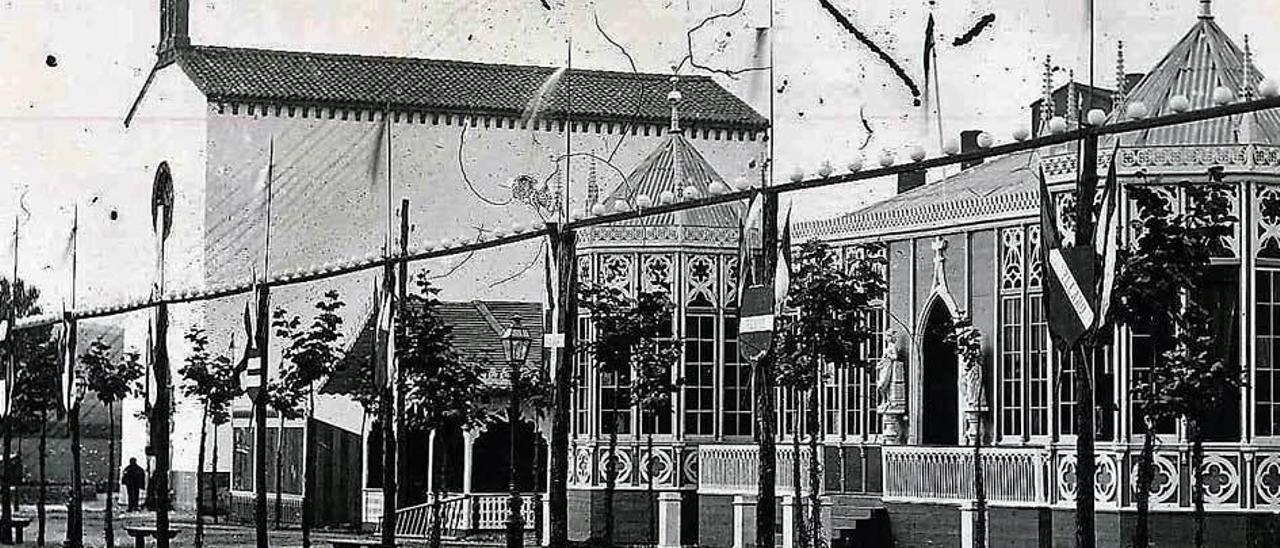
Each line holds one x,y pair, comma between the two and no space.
279,501
801,538
387,408
1084,533
308,467
1197,478
75,527
204,425
817,538
611,474
437,513
6,480
979,489
766,500
1141,536
108,516
650,496
44,481
213,485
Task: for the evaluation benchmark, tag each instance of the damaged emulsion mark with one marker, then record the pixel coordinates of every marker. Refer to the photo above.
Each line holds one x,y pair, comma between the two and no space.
866,41
862,116
977,29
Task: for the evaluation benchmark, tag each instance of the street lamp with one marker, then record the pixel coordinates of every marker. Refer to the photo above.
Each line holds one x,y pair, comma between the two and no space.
515,347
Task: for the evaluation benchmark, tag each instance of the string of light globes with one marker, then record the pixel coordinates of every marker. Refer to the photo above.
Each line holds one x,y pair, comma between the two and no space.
691,198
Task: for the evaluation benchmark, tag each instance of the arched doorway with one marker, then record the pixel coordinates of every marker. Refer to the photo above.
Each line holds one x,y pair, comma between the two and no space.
940,411
491,457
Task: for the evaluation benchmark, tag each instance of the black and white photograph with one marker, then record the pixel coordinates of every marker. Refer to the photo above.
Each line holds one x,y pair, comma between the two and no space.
640,273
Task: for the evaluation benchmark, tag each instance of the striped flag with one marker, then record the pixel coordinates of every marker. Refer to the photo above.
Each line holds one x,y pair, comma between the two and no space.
68,378
1069,292
751,246
384,364
1106,241
782,271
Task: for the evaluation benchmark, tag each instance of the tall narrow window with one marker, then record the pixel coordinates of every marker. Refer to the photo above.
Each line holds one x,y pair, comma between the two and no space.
581,391
737,384
1038,368
1141,359
831,400
242,458
615,409
658,421
1011,366
1266,376
699,374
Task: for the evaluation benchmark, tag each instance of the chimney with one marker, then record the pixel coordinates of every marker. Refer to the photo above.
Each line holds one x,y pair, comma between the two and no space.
969,143
910,180
173,26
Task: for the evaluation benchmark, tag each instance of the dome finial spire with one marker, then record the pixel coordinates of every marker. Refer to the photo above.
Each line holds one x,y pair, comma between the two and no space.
1121,82
1046,107
674,98
1246,83
1206,9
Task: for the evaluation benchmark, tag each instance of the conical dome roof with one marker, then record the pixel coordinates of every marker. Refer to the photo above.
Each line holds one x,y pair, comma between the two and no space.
1204,59
672,167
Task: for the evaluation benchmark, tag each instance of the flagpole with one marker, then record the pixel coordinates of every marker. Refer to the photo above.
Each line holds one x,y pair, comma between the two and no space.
75,516
260,402
937,97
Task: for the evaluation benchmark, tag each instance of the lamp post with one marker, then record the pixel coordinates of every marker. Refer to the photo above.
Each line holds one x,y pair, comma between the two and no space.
515,347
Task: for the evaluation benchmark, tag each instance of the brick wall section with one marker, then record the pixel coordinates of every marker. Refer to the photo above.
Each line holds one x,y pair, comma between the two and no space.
932,525
1021,527
715,520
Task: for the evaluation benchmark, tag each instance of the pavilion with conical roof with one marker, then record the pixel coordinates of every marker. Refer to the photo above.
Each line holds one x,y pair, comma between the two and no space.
968,245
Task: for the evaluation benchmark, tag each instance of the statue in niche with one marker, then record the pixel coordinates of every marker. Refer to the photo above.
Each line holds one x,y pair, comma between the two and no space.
891,391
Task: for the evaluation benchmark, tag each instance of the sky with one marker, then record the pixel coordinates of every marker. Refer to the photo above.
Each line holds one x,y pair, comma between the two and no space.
72,68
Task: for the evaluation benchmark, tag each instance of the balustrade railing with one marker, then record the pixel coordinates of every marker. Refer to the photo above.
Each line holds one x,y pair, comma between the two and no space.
1014,475
734,469
415,521
490,511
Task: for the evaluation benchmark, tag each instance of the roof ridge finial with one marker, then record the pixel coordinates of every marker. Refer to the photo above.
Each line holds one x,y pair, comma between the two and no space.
1206,9
1246,83
674,98
1119,95
1046,109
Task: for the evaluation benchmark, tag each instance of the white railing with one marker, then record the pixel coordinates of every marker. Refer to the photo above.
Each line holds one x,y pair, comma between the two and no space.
1015,475
491,511
734,469
415,521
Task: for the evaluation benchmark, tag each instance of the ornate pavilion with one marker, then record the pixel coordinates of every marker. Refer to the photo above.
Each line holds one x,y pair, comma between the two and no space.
969,245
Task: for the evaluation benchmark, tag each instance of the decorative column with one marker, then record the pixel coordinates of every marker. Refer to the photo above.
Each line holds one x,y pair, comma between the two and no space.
975,394
744,521
669,526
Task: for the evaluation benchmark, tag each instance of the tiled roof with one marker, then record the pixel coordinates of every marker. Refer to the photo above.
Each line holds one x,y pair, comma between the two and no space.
289,76
1004,185
476,330
672,166
1202,60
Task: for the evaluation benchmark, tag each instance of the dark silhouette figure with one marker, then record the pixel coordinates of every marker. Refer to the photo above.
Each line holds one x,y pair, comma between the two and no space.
133,480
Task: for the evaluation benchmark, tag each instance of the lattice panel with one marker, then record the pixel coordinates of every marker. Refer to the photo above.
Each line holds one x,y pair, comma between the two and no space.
1266,231
700,281
1011,259
617,271
1035,273
656,271
730,281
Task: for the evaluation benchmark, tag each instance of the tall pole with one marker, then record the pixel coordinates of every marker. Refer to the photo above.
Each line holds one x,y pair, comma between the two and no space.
766,511
264,338
402,290
515,525
160,364
6,514
75,515
387,403
564,247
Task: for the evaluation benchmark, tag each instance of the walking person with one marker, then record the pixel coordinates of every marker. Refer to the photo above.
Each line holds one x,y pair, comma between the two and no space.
133,480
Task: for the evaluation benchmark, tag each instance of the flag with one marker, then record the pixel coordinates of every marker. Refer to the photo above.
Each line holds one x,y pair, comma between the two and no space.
1068,303
541,99
751,246
782,271
929,45
1106,241
149,396
550,274
380,163
384,355
68,378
